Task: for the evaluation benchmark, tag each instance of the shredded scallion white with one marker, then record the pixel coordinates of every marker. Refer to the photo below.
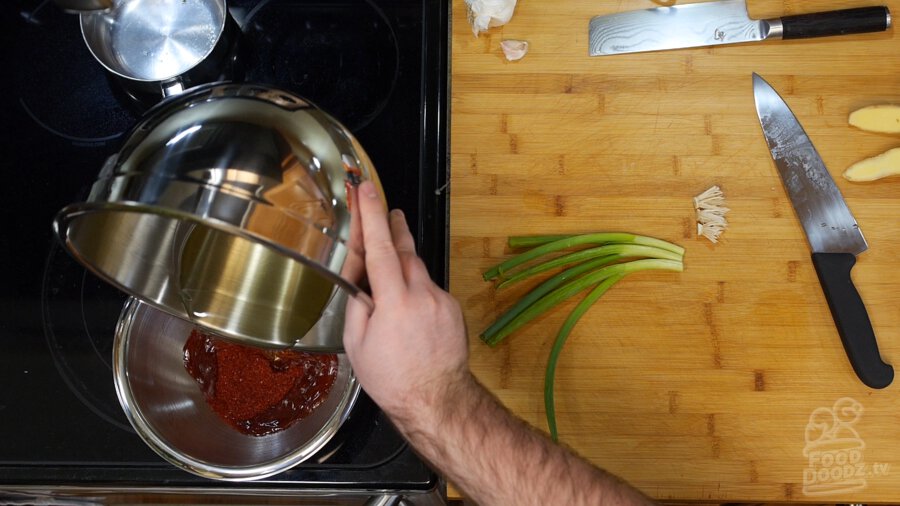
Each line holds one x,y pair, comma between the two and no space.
710,209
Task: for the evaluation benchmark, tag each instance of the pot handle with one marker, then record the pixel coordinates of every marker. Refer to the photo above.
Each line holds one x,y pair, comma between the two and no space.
386,500
171,87
79,6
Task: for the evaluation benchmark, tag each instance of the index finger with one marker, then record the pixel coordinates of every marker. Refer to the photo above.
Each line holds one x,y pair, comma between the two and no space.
382,261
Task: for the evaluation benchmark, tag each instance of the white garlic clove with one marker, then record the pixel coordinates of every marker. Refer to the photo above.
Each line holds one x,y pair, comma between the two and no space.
483,14
514,49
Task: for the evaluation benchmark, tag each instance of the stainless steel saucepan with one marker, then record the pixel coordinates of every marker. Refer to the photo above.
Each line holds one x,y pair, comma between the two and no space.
157,46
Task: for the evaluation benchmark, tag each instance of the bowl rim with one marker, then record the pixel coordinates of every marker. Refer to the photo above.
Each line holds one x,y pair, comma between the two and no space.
199,467
68,214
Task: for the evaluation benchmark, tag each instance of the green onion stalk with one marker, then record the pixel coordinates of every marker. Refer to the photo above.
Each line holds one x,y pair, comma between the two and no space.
530,241
564,331
611,252
571,288
578,240
603,261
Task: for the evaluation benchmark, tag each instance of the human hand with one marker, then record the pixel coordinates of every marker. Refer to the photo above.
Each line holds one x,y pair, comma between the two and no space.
411,351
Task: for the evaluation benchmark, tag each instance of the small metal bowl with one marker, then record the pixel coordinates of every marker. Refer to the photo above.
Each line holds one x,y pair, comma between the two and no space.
161,46
167,408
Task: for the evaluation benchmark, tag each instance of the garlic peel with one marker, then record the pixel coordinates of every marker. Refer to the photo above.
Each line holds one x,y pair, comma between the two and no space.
514,49
483,14
710,209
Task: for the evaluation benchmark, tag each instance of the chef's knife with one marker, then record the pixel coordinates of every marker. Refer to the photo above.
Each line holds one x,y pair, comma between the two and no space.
723,22
832,232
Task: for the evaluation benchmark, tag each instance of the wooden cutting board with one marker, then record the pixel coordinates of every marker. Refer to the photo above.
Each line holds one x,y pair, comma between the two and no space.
719,383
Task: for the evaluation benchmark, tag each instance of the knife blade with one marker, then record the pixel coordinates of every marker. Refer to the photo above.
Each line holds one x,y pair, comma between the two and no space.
721,22
831,230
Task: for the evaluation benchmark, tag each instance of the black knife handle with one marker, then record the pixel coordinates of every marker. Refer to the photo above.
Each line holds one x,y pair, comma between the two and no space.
851,318
840,22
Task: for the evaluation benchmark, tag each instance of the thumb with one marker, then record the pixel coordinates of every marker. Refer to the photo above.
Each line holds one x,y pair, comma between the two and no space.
356,321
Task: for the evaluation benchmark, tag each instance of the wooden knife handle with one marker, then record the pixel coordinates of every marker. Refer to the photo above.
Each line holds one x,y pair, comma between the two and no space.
840,22
851,318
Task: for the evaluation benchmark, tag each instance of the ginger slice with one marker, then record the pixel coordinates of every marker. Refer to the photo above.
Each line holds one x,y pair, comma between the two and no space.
884,165
883,118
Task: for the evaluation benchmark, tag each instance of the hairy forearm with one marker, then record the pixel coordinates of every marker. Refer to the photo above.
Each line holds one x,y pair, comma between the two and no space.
496,458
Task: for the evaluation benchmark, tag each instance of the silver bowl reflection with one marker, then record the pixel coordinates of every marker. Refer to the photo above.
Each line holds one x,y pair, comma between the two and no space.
167,408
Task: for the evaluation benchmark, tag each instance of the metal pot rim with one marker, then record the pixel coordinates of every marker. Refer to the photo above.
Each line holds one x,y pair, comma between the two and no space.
76,210
71,212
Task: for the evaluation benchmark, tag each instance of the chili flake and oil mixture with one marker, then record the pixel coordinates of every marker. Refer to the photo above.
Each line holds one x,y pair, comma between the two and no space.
258,391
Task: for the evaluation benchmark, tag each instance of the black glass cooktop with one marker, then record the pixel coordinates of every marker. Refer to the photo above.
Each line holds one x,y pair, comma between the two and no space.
379,66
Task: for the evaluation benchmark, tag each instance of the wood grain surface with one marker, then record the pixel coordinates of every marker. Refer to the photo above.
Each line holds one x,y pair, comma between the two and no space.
718,383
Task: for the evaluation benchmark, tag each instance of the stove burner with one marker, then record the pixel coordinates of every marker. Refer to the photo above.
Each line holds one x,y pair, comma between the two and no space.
80,313
63,117
343,56
69,94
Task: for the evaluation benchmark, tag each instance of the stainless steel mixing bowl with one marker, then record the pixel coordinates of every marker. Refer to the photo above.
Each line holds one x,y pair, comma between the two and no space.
167,408
229,206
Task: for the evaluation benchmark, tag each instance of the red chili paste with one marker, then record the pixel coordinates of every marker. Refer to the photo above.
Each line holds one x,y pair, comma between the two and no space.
258,391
